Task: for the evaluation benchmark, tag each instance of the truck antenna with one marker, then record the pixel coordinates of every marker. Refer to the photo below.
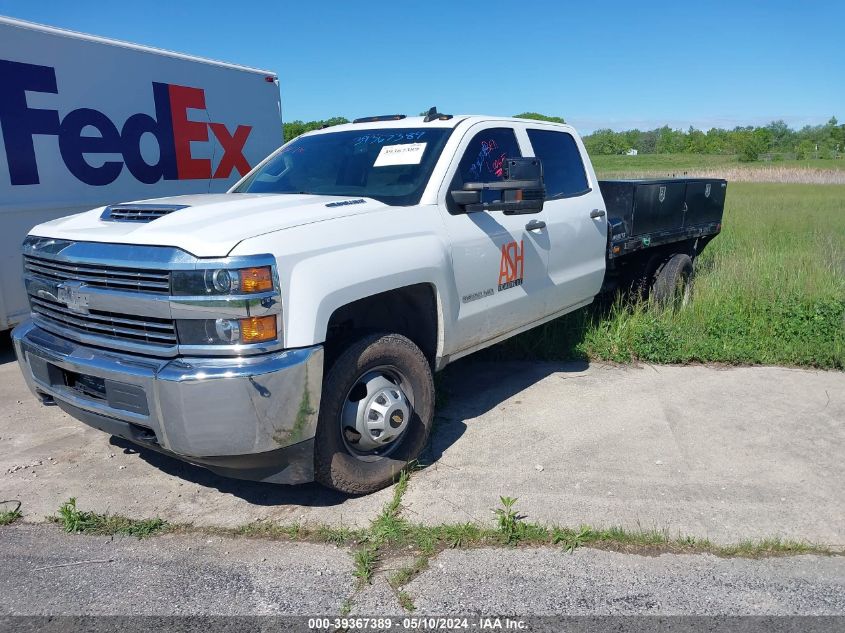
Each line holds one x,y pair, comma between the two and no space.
434,115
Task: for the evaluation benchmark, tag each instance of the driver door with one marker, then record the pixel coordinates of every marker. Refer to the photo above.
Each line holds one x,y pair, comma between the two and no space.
499,261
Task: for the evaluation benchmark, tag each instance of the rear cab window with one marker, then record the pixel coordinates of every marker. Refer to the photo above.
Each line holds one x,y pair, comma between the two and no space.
563,167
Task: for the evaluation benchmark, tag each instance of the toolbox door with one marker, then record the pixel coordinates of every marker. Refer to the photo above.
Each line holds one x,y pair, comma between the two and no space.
705,201
658,207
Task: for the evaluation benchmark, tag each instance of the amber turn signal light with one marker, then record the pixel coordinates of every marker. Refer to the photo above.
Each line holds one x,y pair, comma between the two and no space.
258,329
256,279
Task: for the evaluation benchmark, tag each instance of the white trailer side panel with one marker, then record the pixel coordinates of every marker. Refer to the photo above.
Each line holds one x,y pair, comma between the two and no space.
86,121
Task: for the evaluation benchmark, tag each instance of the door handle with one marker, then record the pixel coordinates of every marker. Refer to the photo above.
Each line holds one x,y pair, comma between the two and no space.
597,213
535,225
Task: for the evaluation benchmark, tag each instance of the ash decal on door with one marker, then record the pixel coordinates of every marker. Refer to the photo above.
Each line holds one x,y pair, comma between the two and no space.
512,265
662,195
707,190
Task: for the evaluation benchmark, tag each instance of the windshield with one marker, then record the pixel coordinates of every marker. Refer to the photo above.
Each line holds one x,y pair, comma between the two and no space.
390,165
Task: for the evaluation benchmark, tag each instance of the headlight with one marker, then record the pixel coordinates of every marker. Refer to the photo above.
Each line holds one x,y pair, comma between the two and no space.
227,331
222,281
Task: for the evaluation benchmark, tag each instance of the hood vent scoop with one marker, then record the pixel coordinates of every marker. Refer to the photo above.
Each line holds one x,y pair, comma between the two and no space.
140,213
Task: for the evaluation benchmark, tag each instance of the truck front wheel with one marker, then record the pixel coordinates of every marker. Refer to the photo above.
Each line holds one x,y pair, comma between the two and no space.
375,415
671,287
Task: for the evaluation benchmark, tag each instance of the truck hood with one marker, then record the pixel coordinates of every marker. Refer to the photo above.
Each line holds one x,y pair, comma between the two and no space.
211,225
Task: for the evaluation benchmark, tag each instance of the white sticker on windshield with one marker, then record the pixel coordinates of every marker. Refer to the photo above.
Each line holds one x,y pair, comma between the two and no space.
408,154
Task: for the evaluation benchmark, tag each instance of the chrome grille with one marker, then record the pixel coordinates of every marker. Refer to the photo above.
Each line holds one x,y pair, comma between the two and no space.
126,327
115,278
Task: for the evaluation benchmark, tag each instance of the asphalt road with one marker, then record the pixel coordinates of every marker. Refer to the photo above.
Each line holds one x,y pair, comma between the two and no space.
720,453
47,572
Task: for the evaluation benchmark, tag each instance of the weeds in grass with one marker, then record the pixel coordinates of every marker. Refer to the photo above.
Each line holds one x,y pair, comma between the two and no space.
77,521
768,547
365,560
424,538
7,517
74,520
568,539
405,601
399,490
387,527
401,577
345,608
269,530
513,530
405,574
459,535
284,531
510,522
390,534
337,536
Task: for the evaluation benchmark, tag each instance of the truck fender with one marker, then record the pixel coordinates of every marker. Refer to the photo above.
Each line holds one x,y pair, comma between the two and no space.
319,284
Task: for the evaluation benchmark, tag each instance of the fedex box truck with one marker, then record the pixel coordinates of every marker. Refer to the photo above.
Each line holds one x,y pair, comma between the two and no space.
86,121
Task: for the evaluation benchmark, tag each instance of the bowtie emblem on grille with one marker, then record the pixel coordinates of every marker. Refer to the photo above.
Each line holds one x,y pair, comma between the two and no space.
71,293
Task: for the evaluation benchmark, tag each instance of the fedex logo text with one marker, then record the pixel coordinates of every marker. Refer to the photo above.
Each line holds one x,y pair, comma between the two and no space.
170,126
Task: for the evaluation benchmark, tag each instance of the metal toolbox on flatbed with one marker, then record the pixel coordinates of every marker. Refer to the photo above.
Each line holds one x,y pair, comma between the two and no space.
643,213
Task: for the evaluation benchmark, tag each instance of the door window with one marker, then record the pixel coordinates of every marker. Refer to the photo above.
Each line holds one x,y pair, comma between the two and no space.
563,168
483,161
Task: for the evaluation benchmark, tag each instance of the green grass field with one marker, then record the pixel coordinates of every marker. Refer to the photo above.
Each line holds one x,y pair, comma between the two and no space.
769,290
610,166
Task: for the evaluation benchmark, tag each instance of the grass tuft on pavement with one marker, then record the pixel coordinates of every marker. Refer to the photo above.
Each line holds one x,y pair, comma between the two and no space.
77,521
390,534
388,527
365,560
7,517
290,531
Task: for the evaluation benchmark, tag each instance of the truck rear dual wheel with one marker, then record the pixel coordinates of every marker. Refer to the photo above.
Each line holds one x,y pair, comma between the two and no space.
671,286
376,413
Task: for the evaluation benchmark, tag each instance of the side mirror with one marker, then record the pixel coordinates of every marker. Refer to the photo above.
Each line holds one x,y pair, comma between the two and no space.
523,189
464,198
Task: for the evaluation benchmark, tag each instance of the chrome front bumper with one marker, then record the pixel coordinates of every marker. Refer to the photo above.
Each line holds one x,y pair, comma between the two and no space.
251,418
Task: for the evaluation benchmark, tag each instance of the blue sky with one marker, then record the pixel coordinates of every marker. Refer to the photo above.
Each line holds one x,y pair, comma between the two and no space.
597,64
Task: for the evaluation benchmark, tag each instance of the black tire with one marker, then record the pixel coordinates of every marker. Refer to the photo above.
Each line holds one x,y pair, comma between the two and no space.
334,464
671,286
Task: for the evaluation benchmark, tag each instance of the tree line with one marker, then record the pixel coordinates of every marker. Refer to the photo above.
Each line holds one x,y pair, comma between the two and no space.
773,141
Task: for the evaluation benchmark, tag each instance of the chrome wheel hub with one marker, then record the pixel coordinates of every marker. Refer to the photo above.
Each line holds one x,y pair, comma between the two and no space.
376,413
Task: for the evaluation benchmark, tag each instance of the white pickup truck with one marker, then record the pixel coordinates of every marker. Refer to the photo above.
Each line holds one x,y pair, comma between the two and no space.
288,330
